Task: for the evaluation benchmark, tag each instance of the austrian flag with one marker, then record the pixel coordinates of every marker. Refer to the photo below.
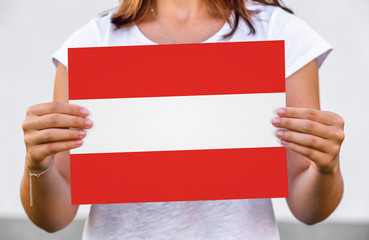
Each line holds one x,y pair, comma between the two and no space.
182,122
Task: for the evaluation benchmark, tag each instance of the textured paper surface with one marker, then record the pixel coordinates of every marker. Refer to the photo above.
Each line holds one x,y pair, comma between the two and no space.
178,122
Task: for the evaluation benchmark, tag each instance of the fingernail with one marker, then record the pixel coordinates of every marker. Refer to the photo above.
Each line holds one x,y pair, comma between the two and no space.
81,133
88,122
281,111
276,121
79,142
280,133
284,143
84,111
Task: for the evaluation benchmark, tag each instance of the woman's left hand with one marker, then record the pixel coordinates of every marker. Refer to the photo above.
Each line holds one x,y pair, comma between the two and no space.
315,134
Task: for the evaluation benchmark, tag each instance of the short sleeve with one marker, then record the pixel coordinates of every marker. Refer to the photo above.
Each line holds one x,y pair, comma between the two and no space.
302,43
86,36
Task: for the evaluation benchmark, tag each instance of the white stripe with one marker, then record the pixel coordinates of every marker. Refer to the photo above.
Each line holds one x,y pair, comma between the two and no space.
181,123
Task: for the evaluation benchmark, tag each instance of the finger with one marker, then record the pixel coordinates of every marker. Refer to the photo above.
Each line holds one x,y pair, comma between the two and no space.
56,120
55,135
57,107
43,150
312,154
324,117
303,126
306,140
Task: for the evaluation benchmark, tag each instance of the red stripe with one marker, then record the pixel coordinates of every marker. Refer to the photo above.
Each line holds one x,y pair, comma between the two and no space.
176,70
178,175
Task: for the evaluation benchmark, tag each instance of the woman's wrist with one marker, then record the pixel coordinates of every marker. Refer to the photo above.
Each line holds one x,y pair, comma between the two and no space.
39,167
333,169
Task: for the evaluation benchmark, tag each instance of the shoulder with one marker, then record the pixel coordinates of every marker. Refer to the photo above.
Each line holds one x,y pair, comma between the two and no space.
92,34
103,24
263,20
263,12
275,21
267,17
302,43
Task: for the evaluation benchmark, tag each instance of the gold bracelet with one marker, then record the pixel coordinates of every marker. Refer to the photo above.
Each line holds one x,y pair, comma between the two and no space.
31,174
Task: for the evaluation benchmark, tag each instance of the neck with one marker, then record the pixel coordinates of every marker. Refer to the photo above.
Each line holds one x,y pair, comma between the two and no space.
182,11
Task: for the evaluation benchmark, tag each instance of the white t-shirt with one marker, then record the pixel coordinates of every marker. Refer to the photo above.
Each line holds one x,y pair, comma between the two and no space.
251,219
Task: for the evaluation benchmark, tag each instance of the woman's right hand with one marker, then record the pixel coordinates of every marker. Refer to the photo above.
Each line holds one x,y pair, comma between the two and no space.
46,131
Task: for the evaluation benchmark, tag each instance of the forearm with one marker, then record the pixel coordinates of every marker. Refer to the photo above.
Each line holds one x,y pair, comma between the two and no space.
314,195
52,209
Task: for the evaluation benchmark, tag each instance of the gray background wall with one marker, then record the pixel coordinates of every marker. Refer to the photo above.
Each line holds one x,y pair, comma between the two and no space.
31,30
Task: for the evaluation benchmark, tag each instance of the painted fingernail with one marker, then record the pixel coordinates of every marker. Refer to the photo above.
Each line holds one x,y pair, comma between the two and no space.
276,121
281,111
81,133
280,133
284,143
88,122
84,111
79,142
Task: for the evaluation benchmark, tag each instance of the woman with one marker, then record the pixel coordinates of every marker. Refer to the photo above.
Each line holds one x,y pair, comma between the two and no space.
312,137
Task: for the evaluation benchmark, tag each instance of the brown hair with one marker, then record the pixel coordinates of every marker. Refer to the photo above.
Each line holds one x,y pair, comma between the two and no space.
134,11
